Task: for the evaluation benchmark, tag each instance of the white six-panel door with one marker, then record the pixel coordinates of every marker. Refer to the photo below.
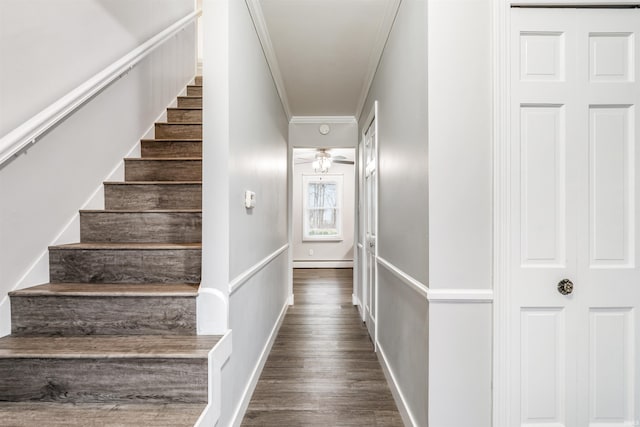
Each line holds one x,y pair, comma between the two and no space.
370,221
575,192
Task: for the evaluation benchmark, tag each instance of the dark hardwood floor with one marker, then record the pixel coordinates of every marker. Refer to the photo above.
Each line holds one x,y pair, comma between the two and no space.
322,370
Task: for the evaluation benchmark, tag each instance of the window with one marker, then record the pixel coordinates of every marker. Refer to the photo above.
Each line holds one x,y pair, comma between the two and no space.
322,207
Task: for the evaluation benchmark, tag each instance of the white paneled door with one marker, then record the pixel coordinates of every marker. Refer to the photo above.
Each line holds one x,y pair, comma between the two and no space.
371,221
575,220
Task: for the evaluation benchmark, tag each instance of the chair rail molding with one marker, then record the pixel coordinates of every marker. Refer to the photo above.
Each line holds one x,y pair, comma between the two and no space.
19,139
412,283
243,277
574,3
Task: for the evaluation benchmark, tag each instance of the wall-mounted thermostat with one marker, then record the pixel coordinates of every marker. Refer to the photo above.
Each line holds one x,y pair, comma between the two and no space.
249,199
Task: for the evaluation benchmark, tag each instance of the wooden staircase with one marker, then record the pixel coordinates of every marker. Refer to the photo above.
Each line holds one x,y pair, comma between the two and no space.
111,340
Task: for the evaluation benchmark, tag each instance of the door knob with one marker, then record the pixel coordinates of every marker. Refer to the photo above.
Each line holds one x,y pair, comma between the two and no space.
565,286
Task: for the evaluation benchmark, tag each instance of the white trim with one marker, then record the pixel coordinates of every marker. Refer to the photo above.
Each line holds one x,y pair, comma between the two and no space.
212,311
290,265
322,264
218,356
407,416
376,54
355,300
501,215
460,295
30,131
255,10
317,120
242,278
568,3
240,411
414,284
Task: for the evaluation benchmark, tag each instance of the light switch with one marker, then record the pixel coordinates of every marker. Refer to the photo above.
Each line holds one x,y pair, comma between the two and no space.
249,199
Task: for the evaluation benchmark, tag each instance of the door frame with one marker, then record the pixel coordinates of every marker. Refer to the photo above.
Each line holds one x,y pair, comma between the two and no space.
501,52
362,223
501,41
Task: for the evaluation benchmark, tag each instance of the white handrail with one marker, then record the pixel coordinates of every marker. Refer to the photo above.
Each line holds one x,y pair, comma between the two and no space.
28,133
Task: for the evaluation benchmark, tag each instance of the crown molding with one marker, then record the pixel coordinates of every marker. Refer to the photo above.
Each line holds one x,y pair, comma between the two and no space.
376,54
259,22
323,119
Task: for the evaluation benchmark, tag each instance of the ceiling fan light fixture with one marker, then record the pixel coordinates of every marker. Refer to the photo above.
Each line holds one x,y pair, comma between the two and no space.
322,163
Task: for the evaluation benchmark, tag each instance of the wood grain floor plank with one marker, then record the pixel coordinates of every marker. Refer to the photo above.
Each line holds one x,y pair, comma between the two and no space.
26,414
322,370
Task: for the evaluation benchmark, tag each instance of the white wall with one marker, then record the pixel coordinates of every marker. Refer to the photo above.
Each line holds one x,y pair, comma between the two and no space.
245,149
460,212
303,132
400,86
48,48
327,253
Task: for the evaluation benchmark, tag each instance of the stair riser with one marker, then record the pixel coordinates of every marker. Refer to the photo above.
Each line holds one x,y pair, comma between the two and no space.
194,90
189,102
171,149
151,380
156,196
184,116
141,227
162,170
198,80
124,266
178,131
70,315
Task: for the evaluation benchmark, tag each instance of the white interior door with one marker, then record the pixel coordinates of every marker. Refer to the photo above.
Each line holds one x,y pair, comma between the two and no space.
370,223
575,111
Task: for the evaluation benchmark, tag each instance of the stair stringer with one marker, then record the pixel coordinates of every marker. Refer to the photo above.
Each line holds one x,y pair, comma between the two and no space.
218,356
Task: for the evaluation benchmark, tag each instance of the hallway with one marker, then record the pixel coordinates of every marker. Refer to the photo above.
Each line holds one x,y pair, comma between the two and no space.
322,370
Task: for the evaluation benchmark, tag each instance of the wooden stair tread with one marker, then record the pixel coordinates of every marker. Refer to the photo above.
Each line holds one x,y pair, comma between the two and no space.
163,159
29,414
153,182
108,346
178,124
132,246
184,108
190,96
172,140
130,211
109,290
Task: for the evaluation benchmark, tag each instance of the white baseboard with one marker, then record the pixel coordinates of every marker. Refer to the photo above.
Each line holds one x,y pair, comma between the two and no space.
355,300
238,415
401,403
322,264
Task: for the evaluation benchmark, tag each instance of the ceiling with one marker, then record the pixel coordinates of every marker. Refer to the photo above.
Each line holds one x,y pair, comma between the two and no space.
323,53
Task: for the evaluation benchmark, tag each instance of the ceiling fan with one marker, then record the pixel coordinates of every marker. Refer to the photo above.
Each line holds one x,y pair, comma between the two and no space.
322,156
